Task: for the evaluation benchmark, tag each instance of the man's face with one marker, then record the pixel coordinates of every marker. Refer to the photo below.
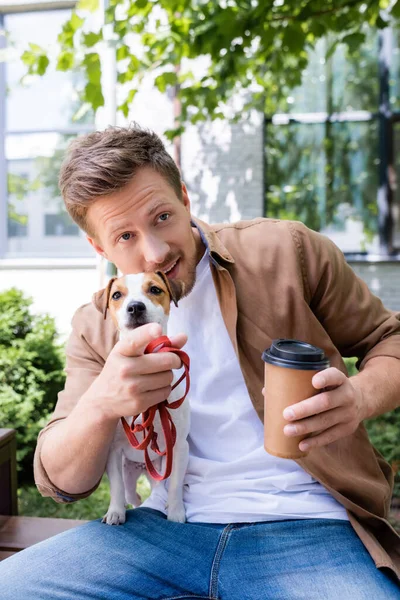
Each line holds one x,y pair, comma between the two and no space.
146,227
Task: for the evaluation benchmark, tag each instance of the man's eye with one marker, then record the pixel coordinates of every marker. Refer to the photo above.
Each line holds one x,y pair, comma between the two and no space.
116,295
126,236
164,217
155,290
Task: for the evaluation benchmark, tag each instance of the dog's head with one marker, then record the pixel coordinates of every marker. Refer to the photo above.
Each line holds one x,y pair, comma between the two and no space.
134,300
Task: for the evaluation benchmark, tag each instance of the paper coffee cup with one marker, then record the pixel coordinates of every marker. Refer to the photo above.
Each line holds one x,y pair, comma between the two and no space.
289,368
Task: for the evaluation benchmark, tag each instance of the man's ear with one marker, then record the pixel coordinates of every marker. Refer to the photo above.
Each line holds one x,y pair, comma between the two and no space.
96,246
174,288
105,299
185,197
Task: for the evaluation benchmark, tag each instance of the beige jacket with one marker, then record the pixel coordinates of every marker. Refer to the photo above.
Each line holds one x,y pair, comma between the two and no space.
276,279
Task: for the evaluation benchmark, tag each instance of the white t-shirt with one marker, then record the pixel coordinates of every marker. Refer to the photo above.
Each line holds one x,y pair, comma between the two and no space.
230,477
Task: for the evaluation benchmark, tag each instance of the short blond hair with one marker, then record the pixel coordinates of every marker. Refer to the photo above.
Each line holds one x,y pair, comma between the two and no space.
103,162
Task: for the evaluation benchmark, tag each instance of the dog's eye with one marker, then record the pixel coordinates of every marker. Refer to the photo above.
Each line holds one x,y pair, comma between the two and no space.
116,295
155,290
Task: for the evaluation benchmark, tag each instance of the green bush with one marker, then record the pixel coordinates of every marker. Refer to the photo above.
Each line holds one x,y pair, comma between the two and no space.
31,373
384,433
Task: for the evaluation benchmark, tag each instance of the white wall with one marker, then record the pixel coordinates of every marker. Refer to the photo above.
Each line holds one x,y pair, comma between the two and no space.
58,291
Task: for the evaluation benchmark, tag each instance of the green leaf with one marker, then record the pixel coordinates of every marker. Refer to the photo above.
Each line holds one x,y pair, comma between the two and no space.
354,40
170,134
141,3
65,61
28,58
331,50
124,108
121,27
93,68
166,79
126,76
43,63
395,12
90,5
36,49
66,37
381,23
90,39
123,52
36,62
93,95
294,38
76,22
131,95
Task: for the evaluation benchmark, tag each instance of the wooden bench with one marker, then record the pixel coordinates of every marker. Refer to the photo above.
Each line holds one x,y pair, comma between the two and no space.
18,533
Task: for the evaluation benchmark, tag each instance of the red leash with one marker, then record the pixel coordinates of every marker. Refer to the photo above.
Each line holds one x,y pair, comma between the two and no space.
161,344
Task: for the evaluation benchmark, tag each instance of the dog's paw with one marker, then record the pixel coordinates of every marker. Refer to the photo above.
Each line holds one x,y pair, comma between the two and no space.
176,513
114,517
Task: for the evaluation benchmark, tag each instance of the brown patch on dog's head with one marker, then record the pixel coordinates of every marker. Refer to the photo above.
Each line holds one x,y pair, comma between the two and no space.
116,285
155,288
175,289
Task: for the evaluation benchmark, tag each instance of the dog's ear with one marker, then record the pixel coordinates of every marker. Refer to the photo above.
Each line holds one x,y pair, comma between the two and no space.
174,288
106,296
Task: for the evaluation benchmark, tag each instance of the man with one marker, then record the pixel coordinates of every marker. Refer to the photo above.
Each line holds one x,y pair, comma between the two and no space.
258,527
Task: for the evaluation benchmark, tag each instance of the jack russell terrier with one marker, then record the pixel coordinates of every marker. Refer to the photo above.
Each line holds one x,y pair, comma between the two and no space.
134,300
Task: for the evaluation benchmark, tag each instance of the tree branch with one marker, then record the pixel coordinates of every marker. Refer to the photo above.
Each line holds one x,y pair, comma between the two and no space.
318,14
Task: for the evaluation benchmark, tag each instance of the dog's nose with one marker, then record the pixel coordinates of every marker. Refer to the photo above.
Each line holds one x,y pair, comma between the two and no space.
136,308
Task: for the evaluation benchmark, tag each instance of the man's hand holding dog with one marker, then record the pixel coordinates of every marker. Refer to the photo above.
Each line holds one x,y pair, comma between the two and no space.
132,381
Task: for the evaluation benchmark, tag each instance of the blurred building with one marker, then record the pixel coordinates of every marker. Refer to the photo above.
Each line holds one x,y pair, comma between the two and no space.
328,158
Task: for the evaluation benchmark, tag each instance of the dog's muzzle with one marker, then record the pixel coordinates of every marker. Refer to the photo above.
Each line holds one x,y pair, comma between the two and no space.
136,314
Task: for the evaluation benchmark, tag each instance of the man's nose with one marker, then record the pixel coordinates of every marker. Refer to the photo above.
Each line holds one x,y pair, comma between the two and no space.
154,250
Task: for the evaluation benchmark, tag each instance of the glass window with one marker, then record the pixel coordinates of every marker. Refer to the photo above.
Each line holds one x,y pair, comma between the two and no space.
35,207
60,225
17,225
344,81
325,174
394,81
51,98
39,113
395,180
322,156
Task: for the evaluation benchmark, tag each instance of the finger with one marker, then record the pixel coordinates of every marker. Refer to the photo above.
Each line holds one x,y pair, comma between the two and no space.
314,405
323,439
154,397
149,364
178,341
138,340
327,378
320,422
150,383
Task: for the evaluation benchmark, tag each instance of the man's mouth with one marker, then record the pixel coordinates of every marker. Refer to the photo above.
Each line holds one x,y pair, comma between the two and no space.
172,270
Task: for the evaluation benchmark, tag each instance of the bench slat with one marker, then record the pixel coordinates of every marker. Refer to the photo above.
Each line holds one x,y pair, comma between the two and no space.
4,554
18,533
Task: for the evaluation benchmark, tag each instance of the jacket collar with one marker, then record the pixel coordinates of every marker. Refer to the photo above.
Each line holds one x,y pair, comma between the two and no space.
217,251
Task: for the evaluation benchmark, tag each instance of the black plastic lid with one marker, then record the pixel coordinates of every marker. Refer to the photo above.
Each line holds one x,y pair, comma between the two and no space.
294,354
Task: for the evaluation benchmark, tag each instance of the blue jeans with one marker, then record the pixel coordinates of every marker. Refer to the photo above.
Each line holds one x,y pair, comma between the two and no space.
152,558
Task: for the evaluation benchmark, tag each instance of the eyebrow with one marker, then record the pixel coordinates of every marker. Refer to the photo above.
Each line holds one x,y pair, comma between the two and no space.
122,225
156,207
